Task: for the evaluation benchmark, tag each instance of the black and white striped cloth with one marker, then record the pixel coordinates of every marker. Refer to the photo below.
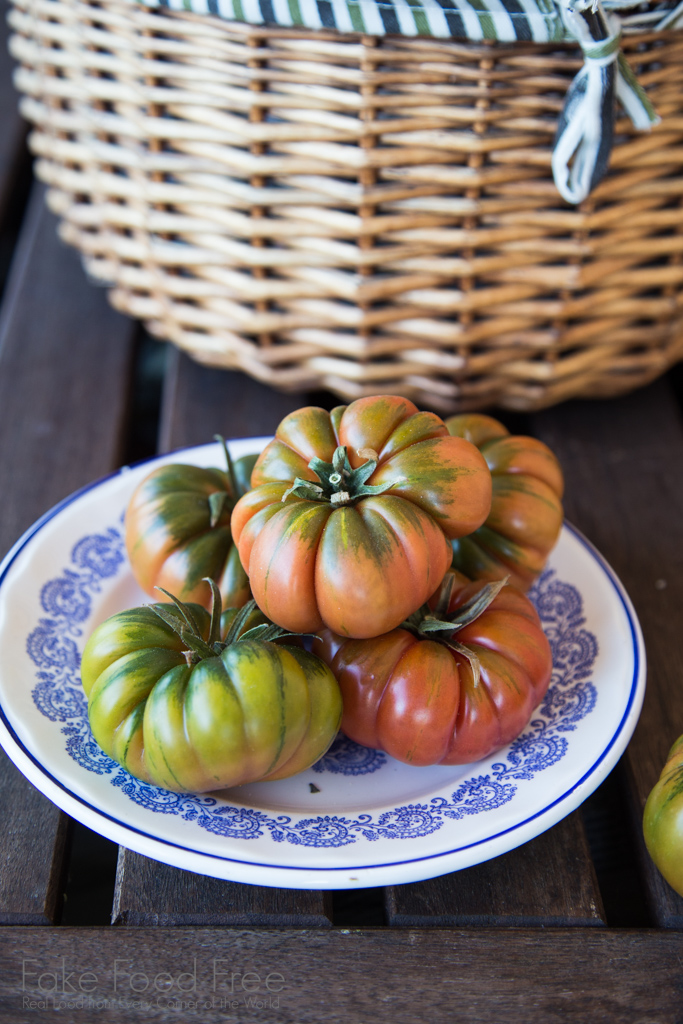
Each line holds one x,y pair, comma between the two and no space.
503,20
586,126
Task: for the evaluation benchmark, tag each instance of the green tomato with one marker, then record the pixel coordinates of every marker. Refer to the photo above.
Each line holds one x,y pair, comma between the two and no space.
663,819
182,711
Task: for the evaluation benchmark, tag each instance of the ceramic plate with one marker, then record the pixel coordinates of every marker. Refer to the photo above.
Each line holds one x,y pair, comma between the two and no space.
357,818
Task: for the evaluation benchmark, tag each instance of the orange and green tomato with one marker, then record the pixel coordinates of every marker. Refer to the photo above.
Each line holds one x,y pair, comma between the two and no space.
444,697
253,710
663,819
526,508
178,532
352,512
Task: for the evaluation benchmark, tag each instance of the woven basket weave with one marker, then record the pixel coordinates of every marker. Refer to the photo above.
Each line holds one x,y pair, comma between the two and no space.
355,213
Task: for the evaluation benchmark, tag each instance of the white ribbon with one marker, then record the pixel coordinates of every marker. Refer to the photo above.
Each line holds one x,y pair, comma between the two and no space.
671,19
585,132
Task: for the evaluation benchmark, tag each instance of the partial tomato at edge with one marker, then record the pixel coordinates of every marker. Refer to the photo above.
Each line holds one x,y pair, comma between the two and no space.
663,819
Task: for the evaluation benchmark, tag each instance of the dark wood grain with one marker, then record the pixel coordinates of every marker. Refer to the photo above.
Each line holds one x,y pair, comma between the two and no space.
13,131
199,402
64,375
33,843
622,462
548,881
472,976
65,360
148,893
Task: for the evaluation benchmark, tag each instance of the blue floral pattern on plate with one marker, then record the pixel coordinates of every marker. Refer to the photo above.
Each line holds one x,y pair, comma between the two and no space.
53,647
348,758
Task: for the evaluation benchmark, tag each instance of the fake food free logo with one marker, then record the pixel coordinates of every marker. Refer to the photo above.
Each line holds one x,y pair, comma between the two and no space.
58,983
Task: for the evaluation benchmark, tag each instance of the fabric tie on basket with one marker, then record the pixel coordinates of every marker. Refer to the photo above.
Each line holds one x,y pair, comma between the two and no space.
585,132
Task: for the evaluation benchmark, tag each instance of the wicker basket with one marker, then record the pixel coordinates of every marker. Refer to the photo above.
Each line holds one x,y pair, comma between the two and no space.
356,213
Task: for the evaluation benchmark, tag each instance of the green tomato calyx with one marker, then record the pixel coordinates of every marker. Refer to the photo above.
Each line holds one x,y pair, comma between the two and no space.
339,484
219,499
199,648
439,625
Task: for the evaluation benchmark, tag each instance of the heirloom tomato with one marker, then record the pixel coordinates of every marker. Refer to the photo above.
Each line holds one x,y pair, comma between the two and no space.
180,708
458,680
526,509
663,819
352,512
178,531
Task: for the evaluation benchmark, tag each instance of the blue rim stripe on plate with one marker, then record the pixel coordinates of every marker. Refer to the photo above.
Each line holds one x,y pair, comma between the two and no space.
18,547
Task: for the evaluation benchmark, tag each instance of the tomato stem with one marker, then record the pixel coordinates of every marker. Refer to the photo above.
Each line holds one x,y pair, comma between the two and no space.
217,500
466,613
188,633
185,625
339,483
427,623
471,657
239,622
234,486
216,611
184,610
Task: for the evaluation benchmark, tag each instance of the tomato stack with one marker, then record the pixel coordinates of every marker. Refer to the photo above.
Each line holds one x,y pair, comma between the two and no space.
358,527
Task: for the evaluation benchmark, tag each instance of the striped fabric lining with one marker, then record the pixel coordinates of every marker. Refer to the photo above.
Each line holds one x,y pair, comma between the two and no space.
506,21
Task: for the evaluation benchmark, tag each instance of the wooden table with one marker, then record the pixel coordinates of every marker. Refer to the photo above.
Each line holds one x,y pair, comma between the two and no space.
561,929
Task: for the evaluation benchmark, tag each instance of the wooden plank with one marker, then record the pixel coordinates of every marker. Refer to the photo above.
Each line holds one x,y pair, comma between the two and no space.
33,844
549,881
148,893
625,491
65,361
474,976
199,402
64,370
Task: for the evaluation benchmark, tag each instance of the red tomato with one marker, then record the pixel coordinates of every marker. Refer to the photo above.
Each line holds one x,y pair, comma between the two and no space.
352,513
428,695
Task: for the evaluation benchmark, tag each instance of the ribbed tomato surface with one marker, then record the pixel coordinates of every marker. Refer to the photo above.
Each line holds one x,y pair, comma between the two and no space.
360,548
419,699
